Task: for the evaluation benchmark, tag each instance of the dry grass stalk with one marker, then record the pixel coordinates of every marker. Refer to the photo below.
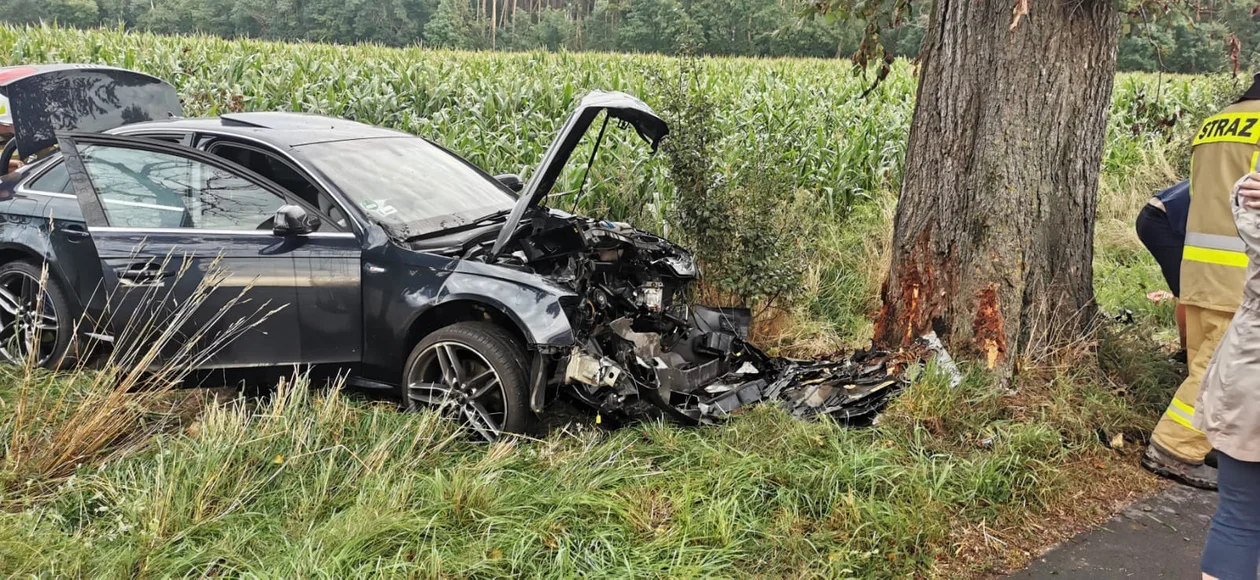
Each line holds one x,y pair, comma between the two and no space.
116,406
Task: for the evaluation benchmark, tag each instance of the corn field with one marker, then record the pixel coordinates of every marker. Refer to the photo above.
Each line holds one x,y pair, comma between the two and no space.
500,110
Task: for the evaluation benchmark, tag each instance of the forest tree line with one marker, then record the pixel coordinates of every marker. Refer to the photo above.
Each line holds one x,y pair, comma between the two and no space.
1204,37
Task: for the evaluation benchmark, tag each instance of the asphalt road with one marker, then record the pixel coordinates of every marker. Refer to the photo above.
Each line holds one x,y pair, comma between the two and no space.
1159,537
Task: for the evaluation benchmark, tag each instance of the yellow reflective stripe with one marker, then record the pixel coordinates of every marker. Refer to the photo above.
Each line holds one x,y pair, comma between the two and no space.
1183,417
1255,161
1230,128
1217,257
1184,422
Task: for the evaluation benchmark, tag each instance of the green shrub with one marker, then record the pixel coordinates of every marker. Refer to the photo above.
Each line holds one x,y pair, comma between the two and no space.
742,222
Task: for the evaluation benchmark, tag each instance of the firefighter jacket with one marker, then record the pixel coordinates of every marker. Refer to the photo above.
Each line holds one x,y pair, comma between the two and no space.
1214,260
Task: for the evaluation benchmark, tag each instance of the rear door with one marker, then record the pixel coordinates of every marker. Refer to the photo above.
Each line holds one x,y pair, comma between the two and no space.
189,259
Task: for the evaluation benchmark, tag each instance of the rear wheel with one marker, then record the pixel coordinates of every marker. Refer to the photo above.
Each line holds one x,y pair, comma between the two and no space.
35,320
473,372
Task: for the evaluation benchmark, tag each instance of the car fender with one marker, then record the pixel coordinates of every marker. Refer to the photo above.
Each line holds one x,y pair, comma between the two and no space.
31,240
535,309
404,294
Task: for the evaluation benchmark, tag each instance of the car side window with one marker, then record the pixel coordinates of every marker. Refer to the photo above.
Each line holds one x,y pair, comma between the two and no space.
148,189
55,180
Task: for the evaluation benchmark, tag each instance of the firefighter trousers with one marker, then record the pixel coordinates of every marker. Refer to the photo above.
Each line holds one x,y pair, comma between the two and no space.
1204,329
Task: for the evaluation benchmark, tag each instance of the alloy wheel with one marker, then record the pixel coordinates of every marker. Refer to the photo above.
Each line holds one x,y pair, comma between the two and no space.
459,382
28,319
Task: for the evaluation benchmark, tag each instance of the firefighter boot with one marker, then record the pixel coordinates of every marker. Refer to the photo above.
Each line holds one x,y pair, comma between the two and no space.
1165,464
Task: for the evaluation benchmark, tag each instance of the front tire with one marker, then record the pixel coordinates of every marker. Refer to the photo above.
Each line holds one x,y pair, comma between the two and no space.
36,324
473,372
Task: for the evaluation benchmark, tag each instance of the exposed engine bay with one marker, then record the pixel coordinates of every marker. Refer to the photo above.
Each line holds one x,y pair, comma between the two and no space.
645,350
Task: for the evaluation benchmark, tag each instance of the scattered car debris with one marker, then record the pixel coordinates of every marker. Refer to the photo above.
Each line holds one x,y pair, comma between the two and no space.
643,352
1124,316
940,356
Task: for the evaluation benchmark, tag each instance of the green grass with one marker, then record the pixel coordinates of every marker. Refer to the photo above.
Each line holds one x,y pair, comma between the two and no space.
312,484
951,482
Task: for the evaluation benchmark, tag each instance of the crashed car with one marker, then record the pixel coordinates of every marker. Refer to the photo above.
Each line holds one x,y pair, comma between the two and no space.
388,257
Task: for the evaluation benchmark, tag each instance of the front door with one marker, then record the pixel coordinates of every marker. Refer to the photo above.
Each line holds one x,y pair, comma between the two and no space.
192,270
329,299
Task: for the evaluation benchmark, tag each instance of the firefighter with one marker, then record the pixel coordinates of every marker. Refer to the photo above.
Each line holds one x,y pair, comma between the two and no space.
1213,269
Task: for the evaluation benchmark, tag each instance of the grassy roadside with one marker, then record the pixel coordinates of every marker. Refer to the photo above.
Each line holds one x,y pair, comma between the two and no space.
313,484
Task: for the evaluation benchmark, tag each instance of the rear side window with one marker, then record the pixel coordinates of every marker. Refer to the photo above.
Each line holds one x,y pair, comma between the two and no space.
55,180
148,189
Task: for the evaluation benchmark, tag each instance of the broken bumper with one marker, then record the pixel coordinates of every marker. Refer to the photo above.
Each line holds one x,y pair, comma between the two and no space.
714,372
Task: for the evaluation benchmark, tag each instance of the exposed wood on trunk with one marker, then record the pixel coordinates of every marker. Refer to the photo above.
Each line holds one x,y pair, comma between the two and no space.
993,238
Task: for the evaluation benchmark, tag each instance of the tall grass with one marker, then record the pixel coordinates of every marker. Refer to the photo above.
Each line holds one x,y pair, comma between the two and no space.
311,484
112,405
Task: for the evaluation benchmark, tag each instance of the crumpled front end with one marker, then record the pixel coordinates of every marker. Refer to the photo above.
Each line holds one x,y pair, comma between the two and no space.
644,351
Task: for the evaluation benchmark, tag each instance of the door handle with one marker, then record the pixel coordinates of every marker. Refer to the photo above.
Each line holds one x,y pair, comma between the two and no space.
76,232
140,274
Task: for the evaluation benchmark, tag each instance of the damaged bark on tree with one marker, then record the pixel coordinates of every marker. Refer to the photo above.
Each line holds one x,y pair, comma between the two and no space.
993,237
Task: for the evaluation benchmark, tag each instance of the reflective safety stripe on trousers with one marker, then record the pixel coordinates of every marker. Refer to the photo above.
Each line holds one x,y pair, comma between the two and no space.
1182,413
1214,249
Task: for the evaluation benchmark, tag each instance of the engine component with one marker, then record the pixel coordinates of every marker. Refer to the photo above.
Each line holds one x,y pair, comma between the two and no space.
597,372
716,343
651,296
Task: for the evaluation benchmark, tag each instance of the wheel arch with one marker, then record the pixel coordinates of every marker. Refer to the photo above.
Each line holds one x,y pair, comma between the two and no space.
458,309
12,252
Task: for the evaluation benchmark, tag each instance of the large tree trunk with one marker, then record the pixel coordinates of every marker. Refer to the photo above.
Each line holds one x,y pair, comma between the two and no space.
993,239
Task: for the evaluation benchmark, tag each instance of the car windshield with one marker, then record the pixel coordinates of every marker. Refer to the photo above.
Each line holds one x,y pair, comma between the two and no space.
409,185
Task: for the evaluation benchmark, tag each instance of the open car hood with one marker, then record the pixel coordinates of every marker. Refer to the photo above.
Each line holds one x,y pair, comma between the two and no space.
619,106
45,99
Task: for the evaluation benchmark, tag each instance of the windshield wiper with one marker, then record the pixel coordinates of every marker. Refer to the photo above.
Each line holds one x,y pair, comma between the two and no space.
492,216
461,227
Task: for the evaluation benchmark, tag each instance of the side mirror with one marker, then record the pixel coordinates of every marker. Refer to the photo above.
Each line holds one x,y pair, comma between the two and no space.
512,181
292,220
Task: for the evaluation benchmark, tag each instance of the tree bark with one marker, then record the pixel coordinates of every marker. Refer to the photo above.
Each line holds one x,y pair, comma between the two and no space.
993,237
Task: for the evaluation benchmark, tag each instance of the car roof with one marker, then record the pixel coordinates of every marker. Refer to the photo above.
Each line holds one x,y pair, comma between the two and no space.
279,128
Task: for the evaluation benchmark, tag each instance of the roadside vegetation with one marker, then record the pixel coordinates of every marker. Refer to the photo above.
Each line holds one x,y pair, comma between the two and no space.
313,481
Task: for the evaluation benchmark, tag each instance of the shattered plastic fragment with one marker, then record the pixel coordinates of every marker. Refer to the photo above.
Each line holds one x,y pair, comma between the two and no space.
944,362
